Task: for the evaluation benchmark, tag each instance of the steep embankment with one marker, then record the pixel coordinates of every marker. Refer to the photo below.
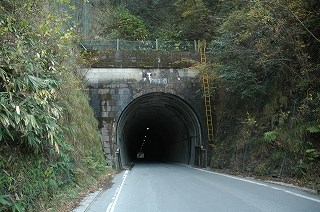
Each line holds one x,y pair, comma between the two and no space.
267,99
49,141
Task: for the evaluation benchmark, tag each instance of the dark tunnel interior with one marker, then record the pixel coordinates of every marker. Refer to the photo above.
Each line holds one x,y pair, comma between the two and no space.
158,127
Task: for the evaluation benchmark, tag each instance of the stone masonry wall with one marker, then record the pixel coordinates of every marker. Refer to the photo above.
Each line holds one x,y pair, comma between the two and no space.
111,90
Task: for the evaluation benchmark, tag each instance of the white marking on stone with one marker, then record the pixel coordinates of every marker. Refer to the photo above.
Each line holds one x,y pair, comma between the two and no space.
159,81
149,75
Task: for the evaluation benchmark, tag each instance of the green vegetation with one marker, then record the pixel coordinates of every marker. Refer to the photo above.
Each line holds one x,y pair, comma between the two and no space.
269,73
115,23
265,78
49,141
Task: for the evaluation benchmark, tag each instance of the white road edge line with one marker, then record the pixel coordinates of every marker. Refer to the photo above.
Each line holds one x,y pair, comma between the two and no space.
261,184
302,196
112,205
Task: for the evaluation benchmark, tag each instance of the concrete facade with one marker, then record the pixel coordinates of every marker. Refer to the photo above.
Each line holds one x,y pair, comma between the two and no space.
113,89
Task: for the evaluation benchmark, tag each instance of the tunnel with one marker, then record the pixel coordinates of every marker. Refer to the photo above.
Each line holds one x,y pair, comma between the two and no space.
159,127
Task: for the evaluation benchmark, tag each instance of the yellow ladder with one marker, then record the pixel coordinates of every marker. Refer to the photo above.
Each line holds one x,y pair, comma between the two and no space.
206,91
202,49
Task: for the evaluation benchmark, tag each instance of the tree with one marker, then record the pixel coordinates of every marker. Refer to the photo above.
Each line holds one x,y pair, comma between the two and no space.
41,129
117,23
196,20
266,53
160,17
128,26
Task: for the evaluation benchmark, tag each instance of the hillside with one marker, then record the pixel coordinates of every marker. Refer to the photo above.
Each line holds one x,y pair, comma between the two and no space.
264,75
50,148
265,85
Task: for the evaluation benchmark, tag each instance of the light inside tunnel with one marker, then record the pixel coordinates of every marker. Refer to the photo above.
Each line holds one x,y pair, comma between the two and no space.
159,127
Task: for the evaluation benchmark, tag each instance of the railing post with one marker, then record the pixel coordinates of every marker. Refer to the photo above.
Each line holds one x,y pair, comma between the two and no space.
195,45
118,160
118,44
157,44
85,19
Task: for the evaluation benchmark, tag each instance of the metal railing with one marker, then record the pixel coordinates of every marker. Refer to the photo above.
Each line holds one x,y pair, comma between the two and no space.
156,45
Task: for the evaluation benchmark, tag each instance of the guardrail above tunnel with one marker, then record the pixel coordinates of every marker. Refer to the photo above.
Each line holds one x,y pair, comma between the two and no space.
140,59
140,54
140,45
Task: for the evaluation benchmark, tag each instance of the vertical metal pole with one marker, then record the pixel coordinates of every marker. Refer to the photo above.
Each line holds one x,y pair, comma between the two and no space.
85,19
157,45
118,160
118,44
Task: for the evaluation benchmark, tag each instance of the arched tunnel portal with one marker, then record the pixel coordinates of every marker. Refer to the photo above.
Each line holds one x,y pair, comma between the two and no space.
161,125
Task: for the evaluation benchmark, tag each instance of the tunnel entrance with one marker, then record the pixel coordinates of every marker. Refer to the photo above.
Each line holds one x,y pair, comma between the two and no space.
158,127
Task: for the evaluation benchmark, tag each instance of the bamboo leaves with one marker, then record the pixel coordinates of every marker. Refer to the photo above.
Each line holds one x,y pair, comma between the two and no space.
29,111
314,129
37,89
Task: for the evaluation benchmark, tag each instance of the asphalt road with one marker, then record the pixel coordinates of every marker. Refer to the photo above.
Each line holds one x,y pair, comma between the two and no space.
156,187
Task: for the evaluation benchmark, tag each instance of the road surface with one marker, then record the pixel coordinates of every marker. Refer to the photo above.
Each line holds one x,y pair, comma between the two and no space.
162,187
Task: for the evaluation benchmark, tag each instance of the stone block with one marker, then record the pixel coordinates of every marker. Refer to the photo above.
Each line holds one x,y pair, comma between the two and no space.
107,150
104,114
